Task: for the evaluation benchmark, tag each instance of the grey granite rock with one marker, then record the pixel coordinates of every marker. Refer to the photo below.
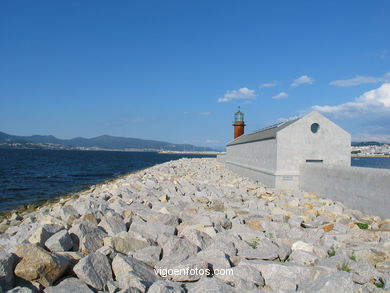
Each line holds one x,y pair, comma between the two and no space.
177,246
149,255
124,243
243,277
338,282
95,270
72,285
130,272
215,257
211,285
113,224
7,262
165,287
60,241
20,290
196,237
44,232
87,237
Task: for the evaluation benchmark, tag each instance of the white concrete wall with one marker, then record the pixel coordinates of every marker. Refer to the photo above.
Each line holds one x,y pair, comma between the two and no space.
256,160
365,189
297,143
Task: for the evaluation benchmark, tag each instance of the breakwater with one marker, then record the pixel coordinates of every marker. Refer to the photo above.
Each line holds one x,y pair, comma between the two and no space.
32,176
189,216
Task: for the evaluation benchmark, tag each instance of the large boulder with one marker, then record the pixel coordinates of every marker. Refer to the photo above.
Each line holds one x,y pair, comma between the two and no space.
243,277
40,265
95,270
6,269
124,243
149,255
337,282
73,285
60,241
87,237
210,285
44,232
166,287
113,224
130,272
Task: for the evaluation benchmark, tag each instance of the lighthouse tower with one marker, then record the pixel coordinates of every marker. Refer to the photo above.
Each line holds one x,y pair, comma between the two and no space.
238,123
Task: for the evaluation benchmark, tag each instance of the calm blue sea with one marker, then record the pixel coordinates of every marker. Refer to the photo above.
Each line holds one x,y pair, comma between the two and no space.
31,176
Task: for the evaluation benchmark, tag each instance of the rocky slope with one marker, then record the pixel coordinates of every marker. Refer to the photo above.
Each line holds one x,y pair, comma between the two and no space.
193,226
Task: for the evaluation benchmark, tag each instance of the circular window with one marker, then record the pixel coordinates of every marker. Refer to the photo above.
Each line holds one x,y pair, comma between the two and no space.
315,127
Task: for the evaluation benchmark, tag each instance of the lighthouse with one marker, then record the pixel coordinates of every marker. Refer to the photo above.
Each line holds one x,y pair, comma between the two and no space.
238,123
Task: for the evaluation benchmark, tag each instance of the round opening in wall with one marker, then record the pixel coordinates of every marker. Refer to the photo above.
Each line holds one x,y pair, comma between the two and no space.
315,127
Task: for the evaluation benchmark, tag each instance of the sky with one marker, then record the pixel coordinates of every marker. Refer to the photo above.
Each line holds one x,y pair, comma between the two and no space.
177,70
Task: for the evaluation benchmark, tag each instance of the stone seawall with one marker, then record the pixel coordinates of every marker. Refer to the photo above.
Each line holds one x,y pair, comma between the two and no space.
165,228
365,189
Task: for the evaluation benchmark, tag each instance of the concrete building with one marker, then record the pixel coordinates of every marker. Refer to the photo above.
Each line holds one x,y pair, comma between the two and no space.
276,154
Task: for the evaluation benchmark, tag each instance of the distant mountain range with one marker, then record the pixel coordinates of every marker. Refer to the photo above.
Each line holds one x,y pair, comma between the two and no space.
104,142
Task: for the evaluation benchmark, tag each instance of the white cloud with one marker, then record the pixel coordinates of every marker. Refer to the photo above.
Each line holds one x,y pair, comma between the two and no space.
205,113
270,84
357,80
284,119
381,137
304,79
242,93
374,101
281,95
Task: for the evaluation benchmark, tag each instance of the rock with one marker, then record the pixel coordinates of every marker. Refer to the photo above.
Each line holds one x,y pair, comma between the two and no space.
73,285
41,266
7,261
164,198
149,255
153,232
165,287
260,249
95,270
179,246
196,237
124,243
300,245
43,233
225,245
217,258
190,269
73,257
163,218
60,241
282,276
113,286
242,277
67,213
211,285
336,282
87,237
303,257
113,224
130,272
20,290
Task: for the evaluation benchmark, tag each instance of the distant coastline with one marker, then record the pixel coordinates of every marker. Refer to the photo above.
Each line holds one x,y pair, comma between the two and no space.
370,156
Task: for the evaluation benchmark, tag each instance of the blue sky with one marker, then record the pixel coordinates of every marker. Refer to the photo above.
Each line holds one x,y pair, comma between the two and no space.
177,70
